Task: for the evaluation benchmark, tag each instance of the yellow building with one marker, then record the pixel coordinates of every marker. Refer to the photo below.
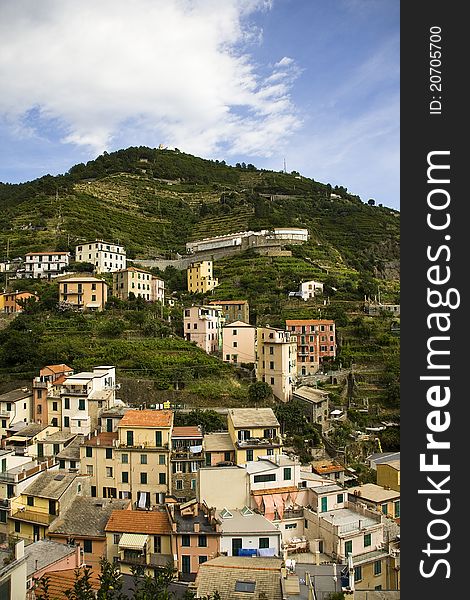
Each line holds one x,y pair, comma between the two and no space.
388,475
386,501
139,538
201,277
133,462
138,282
42,502
276,360
254,432
84,293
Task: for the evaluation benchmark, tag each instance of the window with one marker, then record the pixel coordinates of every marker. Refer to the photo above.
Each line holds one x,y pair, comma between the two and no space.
357,573
202,559
161,459
66,404
116,538
17,527
54,422
73,464
158,438
227,457
249,455
157,544
340,498
179,484
162,478
324,504
263,542
81,404
245,586
88,451
186,541
235,344
271,365
272,380
143,478
125,477
130,438
39,409
30,501
348,548
93,489
291,526
202,541
397,508
87,546
287,473
193,484
384,509
263,478
367,540
66,421
52,507
89,469
61,464
378,567
109,471
109,453
143,459
125,459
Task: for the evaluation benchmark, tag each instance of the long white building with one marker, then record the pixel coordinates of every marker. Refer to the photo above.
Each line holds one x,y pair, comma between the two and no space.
104,256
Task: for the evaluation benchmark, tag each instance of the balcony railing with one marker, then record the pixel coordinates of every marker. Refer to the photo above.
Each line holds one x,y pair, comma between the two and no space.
186,454
152,560
33,517
259,442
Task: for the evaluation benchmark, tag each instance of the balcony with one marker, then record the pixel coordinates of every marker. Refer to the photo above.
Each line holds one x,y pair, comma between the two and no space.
152,560
259,442
66,391
30,516
182,454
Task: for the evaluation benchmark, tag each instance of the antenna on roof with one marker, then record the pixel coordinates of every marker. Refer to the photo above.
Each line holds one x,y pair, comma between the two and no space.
285,170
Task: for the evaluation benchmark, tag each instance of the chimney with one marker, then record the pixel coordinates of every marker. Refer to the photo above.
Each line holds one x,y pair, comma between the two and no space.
197,527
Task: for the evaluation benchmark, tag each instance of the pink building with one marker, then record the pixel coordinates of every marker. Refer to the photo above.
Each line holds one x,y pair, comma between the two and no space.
203,325
239,343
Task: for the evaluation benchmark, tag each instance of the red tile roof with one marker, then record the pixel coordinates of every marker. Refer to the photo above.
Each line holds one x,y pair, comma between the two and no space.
136,521
228,302
62,581
58,368
147,418
102,439
309,322
192,431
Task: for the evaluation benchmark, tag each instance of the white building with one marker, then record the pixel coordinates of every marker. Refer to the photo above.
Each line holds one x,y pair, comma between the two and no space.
105,257
84,395
309,289
15,406
244,532
45,264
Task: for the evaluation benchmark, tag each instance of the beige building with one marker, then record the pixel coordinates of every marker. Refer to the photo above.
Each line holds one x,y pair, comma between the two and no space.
276,361
254,432
218,448
386,501
104,256
388,474
133,462
315,403
140,538
14,574
203,325
138,282
223,486
46,391
234,310
83,293
239,343
201,277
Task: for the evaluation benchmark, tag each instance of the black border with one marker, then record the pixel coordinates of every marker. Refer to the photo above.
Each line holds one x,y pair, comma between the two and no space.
422,132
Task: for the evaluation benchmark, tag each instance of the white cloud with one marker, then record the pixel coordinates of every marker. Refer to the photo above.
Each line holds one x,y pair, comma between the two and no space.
178,70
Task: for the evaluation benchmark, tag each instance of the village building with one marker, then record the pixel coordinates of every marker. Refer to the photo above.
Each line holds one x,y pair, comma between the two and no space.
385,501
329,469
45,264
200,277
187,456
246,533
138,282
45,556
83,293
276,361
13,575
255,432
46,393
104,256
197,536
83,523
315,404
388,474
218,449
203,325
15,406
234,310
238,343
316,341
140,538
11,301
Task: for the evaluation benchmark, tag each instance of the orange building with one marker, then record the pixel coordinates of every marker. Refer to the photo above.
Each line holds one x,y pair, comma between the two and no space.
10,301
45,387
316,340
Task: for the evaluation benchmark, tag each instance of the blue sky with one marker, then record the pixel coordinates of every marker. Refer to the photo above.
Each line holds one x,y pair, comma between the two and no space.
313,81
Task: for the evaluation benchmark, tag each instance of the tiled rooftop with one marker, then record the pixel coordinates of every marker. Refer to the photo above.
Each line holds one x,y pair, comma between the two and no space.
104,438
136,521
45,552
147,418
253,417
51,484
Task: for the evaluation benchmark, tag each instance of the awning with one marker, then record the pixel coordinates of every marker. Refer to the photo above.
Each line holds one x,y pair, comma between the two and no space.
279,504
195,449
93,305
133,541
268,507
